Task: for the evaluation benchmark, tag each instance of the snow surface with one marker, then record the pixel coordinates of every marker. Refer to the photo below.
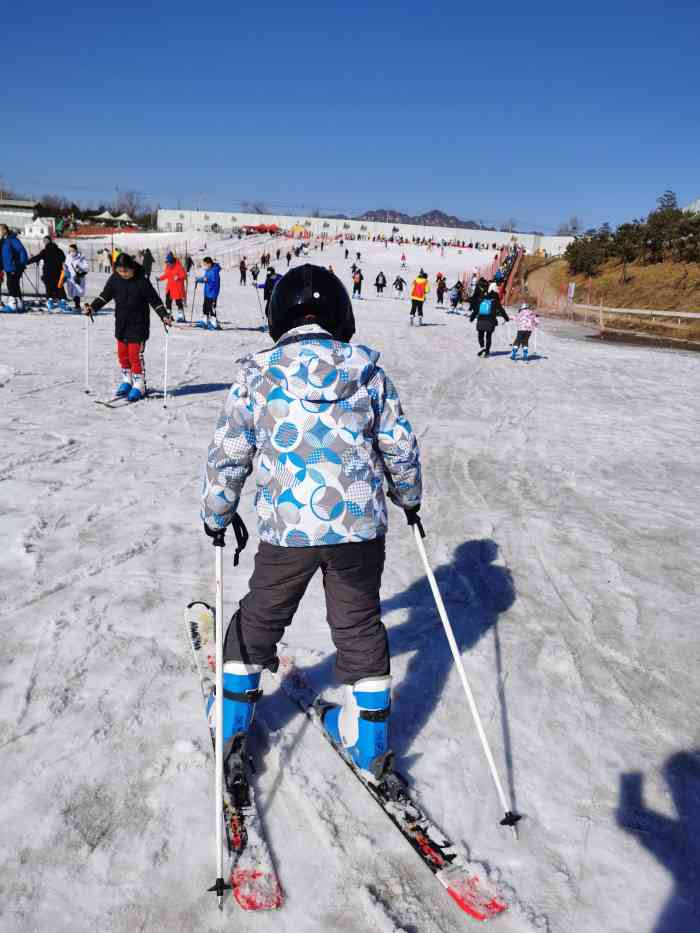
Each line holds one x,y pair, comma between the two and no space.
561,503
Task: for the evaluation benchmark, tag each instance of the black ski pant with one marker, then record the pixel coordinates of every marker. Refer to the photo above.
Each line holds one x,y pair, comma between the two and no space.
243,277
209,307
14,289
53,291
485,337
169,303
522,338
416,306
356,290
352,576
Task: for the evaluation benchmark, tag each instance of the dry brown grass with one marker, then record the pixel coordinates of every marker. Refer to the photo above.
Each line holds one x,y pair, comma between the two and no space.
664,287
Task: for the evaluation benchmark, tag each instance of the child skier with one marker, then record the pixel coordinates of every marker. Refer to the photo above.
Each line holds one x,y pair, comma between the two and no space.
316,387
399,284
526,321
133,293
456,296
440,287
419,291
175,276
357,279
486,309
75,268
212,286
380,284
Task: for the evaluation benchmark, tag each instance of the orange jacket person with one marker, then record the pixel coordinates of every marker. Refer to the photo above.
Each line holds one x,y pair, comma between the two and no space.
175,276
419,291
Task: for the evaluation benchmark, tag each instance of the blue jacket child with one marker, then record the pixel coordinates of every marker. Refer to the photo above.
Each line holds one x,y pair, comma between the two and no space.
211,278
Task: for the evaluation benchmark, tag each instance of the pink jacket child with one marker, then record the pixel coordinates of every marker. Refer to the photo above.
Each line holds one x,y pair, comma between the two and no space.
526,321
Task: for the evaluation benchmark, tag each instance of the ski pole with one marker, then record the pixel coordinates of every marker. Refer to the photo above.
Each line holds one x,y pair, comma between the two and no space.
194,299
510,818
87,354
165,372
262,313
219,885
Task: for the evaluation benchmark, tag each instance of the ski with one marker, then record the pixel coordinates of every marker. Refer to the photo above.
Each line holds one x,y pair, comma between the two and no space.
475,895
253,878
122,401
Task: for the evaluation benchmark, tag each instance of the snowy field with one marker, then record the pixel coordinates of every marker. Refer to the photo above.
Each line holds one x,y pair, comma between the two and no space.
561,505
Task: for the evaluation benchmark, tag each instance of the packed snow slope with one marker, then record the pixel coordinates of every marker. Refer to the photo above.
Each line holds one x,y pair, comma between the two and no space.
561,504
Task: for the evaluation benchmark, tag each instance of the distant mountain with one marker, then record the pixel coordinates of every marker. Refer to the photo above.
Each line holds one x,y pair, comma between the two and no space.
428,219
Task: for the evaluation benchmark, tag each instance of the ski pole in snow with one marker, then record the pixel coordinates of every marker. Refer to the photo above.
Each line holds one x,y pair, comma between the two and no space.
89,319
165,372
510,818
262,313
194,299
219,885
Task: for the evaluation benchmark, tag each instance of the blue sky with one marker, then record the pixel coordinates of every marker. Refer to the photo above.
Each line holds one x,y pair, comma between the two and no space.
490,111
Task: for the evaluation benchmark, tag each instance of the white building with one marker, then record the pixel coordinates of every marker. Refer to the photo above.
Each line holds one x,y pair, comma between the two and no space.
16,214
184,221
40,227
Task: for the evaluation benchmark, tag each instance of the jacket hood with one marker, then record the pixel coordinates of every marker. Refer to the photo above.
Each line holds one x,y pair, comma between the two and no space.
308,364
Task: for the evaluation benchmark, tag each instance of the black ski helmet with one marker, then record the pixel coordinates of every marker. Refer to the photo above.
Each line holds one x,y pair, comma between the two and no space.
308,294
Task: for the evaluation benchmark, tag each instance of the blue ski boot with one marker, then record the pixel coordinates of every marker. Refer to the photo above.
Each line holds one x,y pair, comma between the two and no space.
241,693
213,325
514,353
124,386
50,304
525,354
138,389
361,726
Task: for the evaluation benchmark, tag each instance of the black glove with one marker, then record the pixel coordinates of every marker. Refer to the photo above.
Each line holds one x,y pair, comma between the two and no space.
239,530
412,518
218,537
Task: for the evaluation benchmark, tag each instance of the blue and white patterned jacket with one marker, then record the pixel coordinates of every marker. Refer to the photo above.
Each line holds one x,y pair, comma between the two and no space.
326,424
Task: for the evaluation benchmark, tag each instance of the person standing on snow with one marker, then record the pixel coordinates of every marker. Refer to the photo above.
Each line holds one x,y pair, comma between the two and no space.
75,268
313,383
525,322
380,284
243,269
289,258
52,257
440,287
398,285
133,295
13,259
271,279
456,296
212,286
357,279
255,272
174,275
419,291
147,262
486,310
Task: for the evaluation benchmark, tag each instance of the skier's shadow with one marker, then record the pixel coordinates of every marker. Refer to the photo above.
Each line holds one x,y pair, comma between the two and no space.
675,842
201,388
475,591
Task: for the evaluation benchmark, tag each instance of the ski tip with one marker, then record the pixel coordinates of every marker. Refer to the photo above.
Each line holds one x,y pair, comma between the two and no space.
468,892
256,890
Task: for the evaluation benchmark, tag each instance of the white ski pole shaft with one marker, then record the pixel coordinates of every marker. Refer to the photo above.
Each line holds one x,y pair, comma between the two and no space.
509,818
165,372
219,739
87,354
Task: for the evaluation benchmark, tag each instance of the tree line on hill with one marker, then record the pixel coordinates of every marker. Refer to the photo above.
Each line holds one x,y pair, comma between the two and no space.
668,233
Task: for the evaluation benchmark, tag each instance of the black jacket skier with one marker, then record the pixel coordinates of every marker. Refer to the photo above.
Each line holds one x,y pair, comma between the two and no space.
53,258
380,283
399,283
486,309
132,299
